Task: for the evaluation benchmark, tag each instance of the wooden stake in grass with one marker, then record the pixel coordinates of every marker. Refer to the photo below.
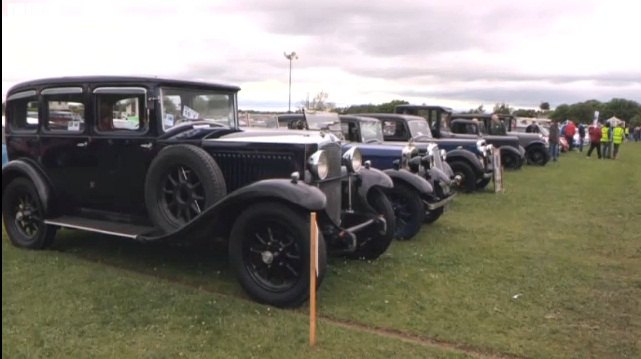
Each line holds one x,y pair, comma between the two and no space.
313,263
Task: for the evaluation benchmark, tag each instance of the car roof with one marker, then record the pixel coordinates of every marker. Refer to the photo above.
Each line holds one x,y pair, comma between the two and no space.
115,80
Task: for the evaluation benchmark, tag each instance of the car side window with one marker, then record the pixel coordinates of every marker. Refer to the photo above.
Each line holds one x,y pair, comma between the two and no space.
22,111
65,113
120,113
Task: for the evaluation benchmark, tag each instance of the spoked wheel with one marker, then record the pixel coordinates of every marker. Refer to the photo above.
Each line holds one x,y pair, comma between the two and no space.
23,216
408,210
182,182
183,194
269,251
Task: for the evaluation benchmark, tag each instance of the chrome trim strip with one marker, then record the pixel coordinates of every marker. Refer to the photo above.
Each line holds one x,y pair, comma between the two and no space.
89,229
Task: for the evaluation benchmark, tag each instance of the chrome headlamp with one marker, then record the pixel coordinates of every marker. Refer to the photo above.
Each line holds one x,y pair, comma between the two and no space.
407,153
480,146
353,159
443,155
318,164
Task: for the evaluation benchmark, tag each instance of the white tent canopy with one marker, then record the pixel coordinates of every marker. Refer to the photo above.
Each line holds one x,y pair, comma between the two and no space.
614,121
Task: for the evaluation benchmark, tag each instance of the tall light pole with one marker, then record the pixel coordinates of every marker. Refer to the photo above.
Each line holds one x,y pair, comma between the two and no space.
290,57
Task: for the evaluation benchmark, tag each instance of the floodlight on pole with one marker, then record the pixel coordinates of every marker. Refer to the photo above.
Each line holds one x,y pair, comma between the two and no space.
291,56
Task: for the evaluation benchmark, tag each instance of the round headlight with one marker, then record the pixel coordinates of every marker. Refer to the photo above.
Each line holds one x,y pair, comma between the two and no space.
319,165
409,151
480,146
443,155
353,159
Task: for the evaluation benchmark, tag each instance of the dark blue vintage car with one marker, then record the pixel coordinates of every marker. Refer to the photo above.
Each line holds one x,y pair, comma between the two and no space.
153,159
416,199
471,160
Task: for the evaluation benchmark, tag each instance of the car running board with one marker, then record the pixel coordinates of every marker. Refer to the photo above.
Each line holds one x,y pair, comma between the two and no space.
105,227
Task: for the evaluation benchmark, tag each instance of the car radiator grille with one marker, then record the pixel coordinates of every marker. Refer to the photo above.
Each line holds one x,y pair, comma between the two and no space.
241,169
438,161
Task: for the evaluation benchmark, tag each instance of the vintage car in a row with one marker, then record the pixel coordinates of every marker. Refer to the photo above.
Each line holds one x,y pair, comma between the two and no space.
415,199
535,144
182,170
470,160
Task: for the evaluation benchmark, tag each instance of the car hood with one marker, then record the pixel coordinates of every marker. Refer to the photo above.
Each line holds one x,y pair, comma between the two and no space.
277,136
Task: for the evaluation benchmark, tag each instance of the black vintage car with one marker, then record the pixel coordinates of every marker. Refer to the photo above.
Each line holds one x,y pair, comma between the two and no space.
512,153
153,159
535,144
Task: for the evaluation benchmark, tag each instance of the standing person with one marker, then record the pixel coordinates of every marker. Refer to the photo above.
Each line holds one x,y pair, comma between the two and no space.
553,139
533,128
617,138
637,134
605,140
595,139
627,136
570,130
581,136
496,126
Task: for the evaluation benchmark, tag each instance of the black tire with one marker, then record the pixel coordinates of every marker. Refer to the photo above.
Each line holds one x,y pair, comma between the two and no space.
510,160
269,252
481,184
432,216
408,208
23,215
468,178
537,156
182,181
371,243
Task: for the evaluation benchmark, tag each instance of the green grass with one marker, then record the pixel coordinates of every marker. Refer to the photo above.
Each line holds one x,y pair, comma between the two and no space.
549,268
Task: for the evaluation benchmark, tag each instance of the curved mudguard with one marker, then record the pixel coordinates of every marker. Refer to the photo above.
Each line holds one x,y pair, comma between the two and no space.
299,194
413,180
371,177
29,169
467,156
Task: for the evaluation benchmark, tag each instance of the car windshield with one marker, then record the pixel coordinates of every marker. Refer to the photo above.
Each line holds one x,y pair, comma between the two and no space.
258,120
183,106
419,128
371,131
323,120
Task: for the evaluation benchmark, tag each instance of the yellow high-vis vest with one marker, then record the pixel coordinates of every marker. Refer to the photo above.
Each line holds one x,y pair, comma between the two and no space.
617,135
605,134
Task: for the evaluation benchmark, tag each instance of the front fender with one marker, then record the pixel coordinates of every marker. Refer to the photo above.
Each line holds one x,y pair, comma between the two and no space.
372,177
413,180
299,194
29,169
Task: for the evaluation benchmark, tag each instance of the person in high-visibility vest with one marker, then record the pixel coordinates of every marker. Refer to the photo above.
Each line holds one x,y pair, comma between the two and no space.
605,140
627,133
617,138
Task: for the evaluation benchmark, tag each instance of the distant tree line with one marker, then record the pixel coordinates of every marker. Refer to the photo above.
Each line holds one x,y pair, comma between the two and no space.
582,112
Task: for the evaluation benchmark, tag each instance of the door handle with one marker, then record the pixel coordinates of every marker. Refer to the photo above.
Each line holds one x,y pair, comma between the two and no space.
147,145
82,144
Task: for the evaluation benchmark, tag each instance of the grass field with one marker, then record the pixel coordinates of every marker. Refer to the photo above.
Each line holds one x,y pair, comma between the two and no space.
551,268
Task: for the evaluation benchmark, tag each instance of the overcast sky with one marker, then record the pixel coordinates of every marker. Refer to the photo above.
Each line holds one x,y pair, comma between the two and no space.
457,53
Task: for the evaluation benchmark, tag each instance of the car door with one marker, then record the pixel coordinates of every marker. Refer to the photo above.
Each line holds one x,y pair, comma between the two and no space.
124,144
64,141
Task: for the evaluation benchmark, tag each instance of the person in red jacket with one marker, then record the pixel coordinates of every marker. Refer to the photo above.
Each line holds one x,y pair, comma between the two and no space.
570,130
595,139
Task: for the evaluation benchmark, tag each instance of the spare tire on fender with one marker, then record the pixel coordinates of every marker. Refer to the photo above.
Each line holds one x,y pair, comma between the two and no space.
182,182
